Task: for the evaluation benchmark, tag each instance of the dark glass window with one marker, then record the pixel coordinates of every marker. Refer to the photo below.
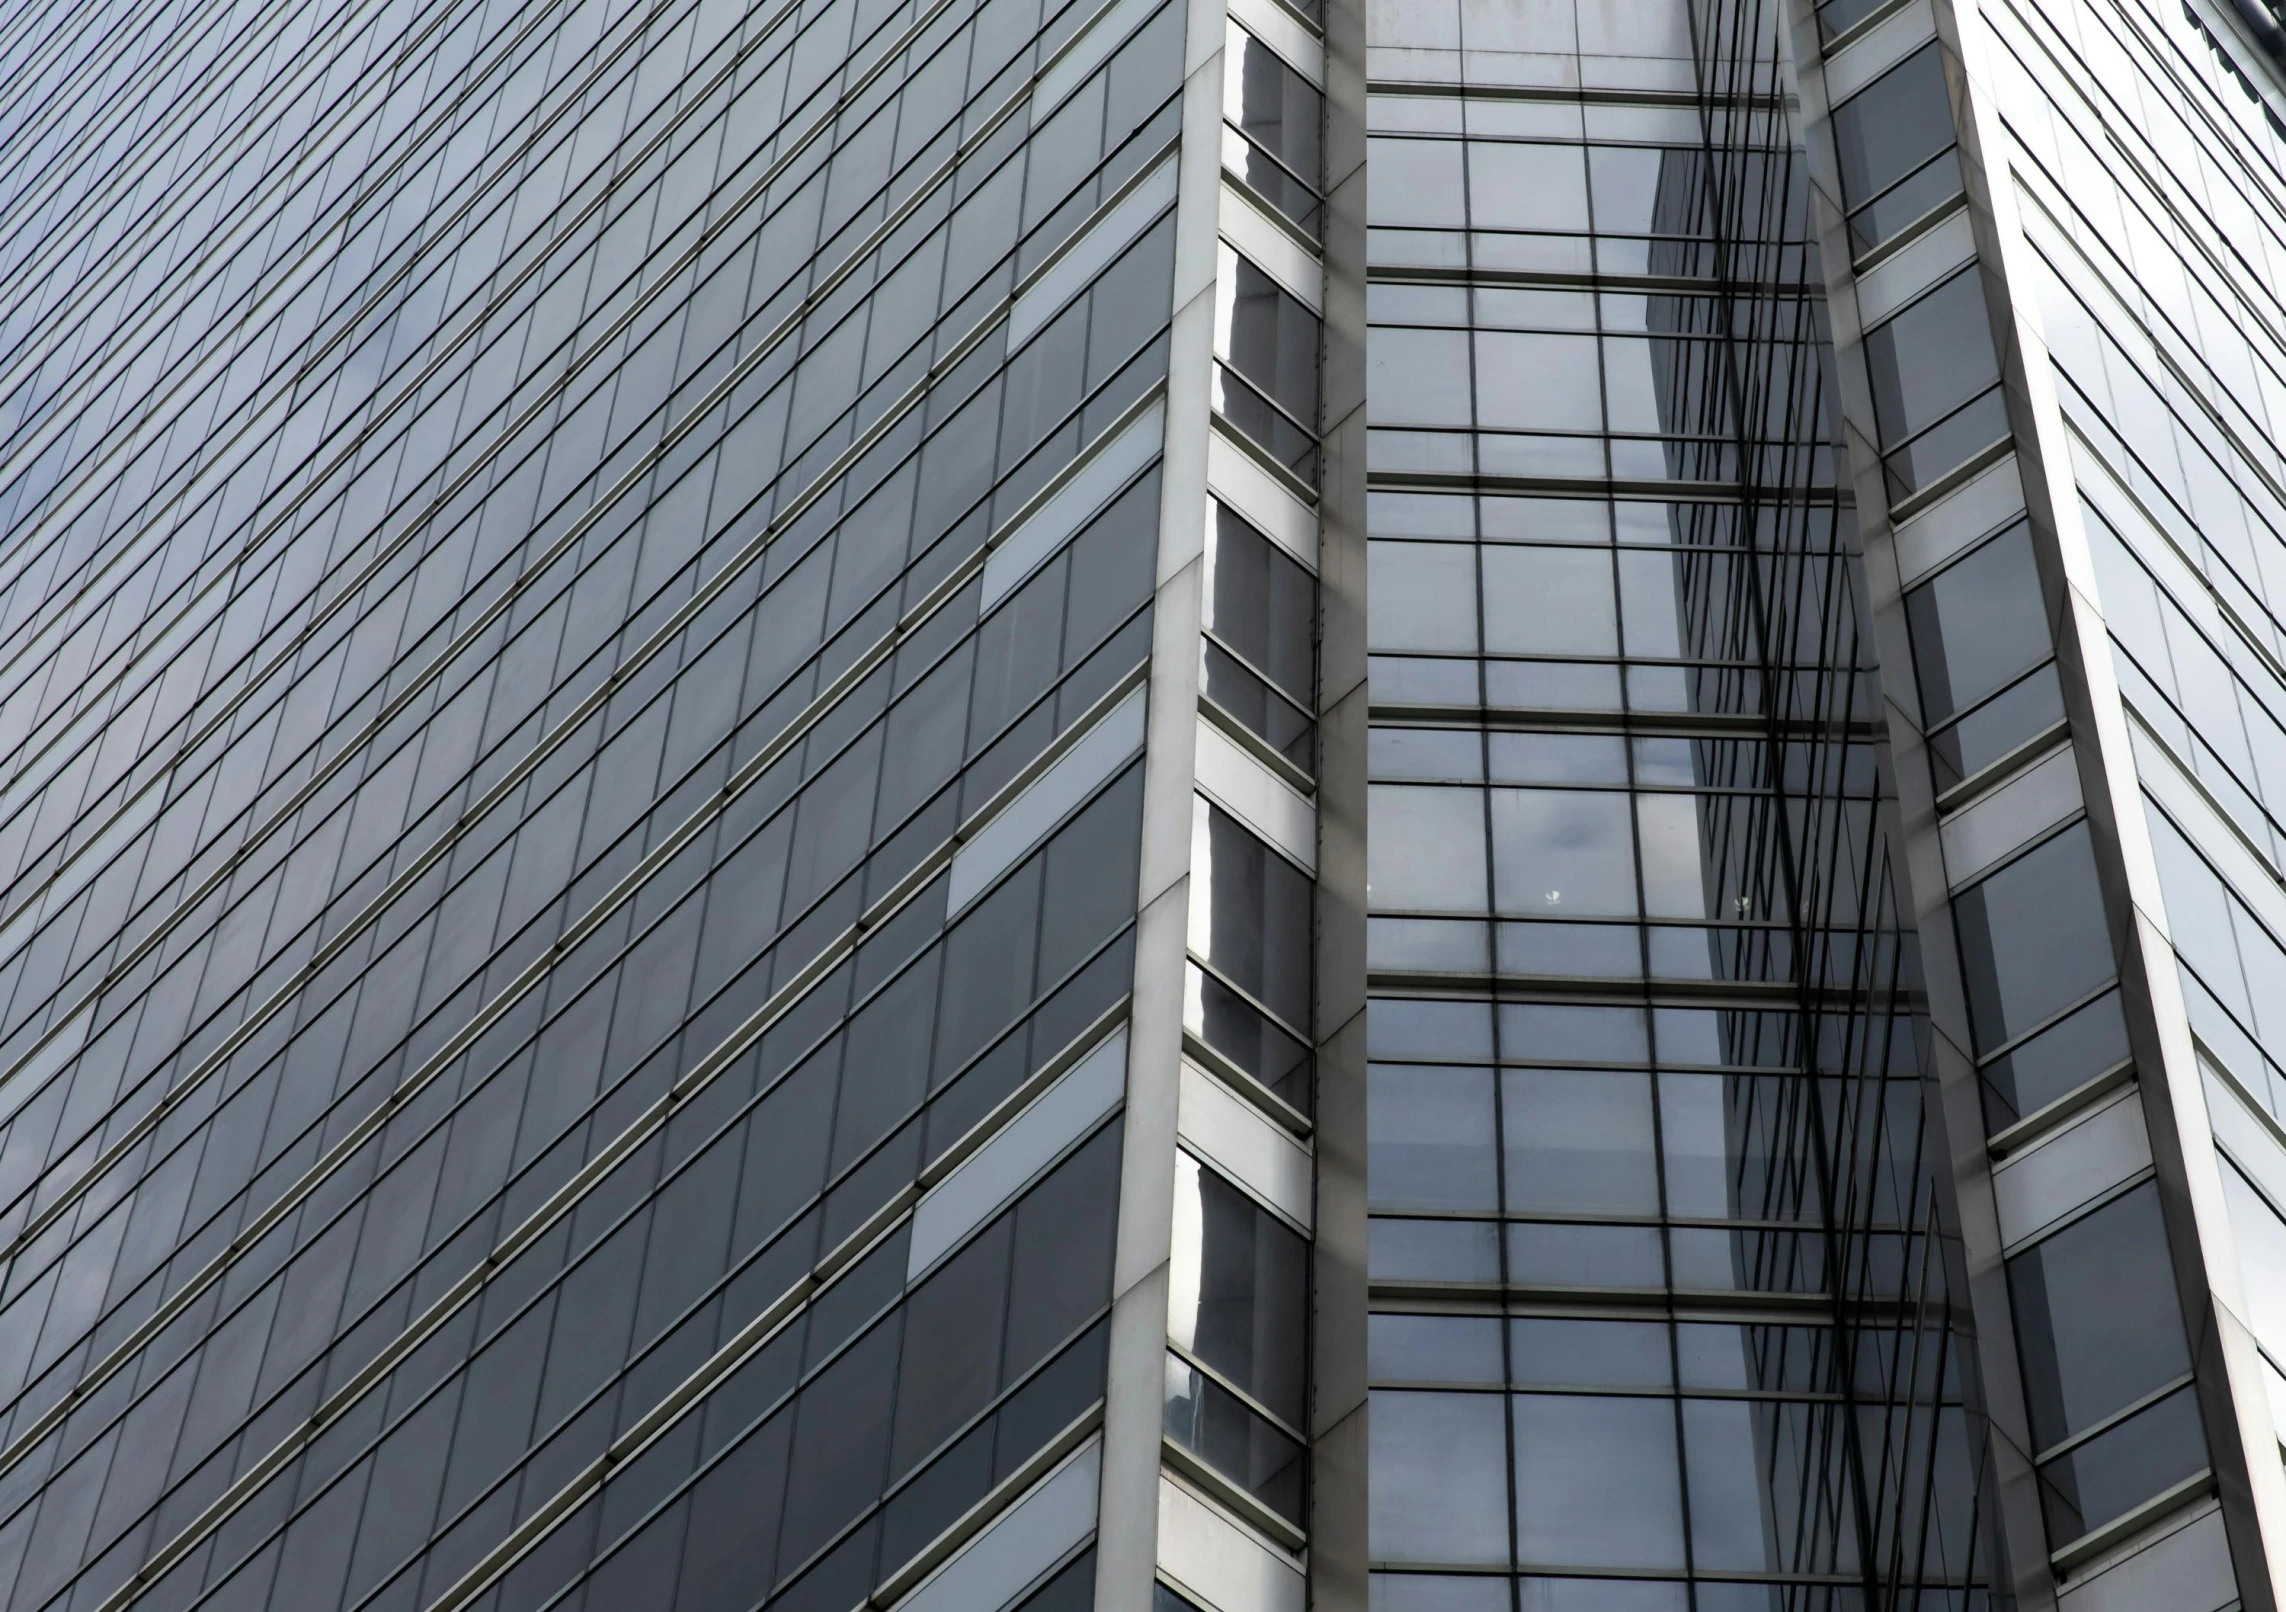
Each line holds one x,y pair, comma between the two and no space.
1977,625
1072,1589
1240,1292
1263,605
1230,1024
2084,1044
2033,938
1895,142
1278,115
2097,1320
1930,359
1235,1439
2123,1466
1278,109
1251,914
1271,346
2025,709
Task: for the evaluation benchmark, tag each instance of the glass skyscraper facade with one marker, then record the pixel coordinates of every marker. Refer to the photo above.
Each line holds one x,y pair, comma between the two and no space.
1159,805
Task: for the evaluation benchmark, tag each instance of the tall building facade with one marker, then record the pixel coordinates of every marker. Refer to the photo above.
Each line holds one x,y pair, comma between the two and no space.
1163,805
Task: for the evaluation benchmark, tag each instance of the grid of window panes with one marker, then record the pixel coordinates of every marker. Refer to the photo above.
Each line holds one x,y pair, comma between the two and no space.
495,663
1661,1319
2155,204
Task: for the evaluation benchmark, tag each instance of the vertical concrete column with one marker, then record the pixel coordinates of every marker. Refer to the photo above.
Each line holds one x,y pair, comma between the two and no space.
1128,1532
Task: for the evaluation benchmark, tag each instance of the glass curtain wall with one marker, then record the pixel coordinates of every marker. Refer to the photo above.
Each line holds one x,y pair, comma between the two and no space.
1665,1312
2167,362
571,634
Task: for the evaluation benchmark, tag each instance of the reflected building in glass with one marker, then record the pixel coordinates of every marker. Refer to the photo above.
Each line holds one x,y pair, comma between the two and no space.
1163,805
1823,1127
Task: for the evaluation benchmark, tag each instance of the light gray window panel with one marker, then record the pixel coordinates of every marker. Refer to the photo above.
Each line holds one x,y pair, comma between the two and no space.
1417,304
2187,1570
1646,523
1597,1483
1447,1592
1416,377
1561,852
1430,1134
1642,190
1238,479
1546,520
1430,755
1500,307
1022,1544
1399,1027
1544,1254
1396,514
1086,53
1668,761
1729,1490
1434,1348
1440,1479
1575,1139
1416,183
1573,1034
1222,1564
1086,490
1636,374
2261,1237
1455,945
1547,1352
1078,265
2005,819
1674,865
1525,187
2032,705
1558,758
1424,596
58,1050
999,1170
1303,50
1586,951
1627,1595
1433,1250
1426,852
1239,1139
2070,1167
1244,218
1537,382
1236,778
1651,603
1694,1136
1026,820
1548,601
